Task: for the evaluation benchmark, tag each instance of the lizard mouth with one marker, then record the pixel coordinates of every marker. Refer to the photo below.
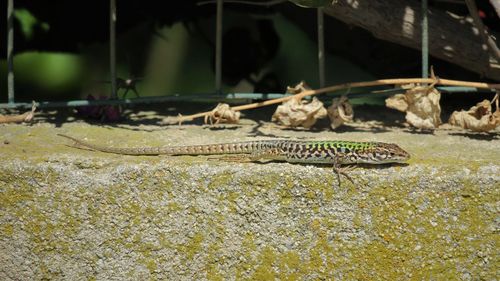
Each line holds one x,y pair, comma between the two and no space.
400,159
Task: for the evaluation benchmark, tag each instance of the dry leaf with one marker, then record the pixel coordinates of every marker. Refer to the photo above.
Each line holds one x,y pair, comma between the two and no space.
479,118
295,113
397,102
299,88
223,113
340,112
421,104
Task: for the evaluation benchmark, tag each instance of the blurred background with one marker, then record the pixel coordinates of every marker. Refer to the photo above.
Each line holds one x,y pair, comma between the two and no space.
62,48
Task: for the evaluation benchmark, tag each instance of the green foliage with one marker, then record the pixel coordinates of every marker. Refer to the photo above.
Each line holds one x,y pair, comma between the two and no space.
28,22
50,71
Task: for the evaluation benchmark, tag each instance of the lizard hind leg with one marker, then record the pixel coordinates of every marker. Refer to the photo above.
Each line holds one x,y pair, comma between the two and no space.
78,145
233,158
261,156
267,155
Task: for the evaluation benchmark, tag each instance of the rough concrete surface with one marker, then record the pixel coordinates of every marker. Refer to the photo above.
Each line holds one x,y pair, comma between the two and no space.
72,214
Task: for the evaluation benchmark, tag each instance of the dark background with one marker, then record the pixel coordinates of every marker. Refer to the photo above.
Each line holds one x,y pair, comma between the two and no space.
62,48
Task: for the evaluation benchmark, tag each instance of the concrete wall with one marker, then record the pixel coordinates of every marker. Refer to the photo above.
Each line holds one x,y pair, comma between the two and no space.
80,215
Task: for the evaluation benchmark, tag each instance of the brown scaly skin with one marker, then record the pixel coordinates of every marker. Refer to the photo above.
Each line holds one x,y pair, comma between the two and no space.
306,152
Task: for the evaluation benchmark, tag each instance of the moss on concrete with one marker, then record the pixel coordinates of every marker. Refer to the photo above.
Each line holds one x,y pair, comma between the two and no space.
69,213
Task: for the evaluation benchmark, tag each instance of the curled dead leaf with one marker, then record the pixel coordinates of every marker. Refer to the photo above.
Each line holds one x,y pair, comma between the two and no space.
299,88
479,118
340,111
223,113
421,104
299,113
398,102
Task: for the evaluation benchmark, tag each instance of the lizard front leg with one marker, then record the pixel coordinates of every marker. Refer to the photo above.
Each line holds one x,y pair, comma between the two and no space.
338,170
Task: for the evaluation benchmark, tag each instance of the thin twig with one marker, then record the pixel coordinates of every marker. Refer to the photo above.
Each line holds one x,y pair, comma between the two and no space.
25,117
398,81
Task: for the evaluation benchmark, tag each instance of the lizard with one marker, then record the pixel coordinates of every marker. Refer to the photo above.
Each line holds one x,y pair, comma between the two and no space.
334,152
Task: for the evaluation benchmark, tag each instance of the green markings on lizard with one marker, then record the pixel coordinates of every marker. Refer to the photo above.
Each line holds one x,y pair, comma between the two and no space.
332,152
339,152
352,145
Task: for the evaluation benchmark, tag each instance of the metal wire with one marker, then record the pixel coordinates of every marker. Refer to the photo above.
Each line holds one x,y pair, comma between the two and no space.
10,51
321,47
112,46
216,97
425,40
218,47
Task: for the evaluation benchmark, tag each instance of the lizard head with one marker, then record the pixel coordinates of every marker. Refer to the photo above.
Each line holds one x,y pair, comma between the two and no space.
382,153
390,153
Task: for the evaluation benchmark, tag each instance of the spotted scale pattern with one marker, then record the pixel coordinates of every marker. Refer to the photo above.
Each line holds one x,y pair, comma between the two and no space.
325,152
343,152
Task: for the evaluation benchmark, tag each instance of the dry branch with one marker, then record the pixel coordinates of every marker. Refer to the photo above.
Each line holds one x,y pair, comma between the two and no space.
19,118
397,81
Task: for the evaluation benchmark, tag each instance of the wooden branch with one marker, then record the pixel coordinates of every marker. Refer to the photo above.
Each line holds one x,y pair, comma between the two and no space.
492,46
452,38
398,81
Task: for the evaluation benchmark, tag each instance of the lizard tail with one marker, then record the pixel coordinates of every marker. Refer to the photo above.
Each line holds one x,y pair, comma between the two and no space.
116,150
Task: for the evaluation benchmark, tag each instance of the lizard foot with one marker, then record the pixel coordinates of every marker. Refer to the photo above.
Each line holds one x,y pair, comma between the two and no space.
343,171
233,158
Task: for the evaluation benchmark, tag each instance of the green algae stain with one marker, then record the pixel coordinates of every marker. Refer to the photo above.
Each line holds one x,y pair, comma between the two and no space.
173,207
6,230
213,274
220,180
151,265
265,269
256,184
419,238
408,238
315,260
320,257
11,196
289,266
213,260
246,256
192,247
249,244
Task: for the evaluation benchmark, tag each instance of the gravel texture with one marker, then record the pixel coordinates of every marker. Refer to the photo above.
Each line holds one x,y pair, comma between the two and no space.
75,214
